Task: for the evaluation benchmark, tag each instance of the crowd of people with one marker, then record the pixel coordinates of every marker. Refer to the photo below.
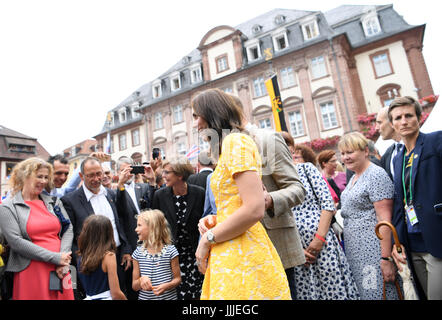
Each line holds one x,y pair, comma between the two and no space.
256,220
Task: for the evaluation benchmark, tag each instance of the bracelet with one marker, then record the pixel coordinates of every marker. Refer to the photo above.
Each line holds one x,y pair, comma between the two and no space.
387,259
317,236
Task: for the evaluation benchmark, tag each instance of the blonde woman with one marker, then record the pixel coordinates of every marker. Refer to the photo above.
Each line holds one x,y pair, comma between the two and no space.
156,272
39,234
366,200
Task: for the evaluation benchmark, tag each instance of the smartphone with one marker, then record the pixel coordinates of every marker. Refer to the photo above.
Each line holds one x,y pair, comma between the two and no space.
55,283
155,153
137,169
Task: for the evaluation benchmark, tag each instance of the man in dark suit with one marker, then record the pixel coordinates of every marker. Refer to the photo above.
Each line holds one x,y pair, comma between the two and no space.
417,211
387,132
131,198
93,198
205,167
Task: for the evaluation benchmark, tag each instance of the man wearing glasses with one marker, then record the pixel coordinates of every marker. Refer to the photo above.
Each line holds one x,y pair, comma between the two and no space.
93,198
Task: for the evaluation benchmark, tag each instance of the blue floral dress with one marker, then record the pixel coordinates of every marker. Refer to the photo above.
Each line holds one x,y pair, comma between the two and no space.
362,246
329,278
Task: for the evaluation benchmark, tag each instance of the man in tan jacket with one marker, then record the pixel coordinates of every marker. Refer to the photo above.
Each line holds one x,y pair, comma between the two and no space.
284,190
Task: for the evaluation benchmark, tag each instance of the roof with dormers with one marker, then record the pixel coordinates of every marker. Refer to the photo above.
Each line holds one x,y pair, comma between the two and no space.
345,19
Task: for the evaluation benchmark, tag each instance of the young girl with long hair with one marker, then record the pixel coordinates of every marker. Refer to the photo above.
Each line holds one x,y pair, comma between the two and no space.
156,269
97,264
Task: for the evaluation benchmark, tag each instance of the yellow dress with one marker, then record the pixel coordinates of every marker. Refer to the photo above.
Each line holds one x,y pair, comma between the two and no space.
247,267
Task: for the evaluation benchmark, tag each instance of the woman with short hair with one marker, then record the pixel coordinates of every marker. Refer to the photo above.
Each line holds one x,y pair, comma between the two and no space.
367,199
183,206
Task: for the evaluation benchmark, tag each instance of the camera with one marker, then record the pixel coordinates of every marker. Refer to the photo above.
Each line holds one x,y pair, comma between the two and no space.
137,169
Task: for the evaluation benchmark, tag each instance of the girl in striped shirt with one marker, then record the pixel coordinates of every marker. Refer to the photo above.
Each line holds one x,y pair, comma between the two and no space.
156,270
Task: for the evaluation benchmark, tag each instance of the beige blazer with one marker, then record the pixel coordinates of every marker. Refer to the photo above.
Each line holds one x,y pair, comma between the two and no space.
281,180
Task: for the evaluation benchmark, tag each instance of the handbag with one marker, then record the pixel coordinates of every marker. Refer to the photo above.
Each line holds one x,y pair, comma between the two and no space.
337,228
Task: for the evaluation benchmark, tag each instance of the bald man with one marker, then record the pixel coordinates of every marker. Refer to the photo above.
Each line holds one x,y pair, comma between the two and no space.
387,132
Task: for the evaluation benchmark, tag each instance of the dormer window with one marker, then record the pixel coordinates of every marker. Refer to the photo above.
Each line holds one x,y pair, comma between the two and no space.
310,30
370,24
253,50
256,29
134,112
195,73
175,81
186,60
280,40
279,19
156,89
122,115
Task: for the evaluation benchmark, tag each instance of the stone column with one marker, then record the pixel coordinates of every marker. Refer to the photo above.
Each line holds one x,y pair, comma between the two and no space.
306,92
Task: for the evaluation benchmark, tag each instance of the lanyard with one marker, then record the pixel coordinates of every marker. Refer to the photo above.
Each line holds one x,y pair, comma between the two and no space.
403,178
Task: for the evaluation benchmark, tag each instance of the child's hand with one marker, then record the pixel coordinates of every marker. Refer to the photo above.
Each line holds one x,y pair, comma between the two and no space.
145,283
159,289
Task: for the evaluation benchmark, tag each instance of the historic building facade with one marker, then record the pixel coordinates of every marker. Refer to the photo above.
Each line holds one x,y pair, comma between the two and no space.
331,67
16,147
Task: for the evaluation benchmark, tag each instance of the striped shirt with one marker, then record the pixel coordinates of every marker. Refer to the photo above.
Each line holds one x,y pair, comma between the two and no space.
158,268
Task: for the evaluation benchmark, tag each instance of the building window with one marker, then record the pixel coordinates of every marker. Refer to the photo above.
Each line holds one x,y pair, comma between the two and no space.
328,115
181,148
135,137
256,29
253,51
319,69
227,90
112,149
122,141
265,123
287,77
156,90
387,93
158,120
175,82
259,87
370,24
195,74
381,64
122,115
222,63
178,114
279,19
73,151
310,30
134,113
296,125
280,41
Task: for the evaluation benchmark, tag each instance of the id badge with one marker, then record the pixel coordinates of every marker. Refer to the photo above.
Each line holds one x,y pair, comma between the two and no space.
411,214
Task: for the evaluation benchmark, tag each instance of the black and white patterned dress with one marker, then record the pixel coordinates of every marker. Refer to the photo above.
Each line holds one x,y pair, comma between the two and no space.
191,278
329,278
362,246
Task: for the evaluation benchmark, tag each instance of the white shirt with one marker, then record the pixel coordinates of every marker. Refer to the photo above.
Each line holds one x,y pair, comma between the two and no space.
130,188
397,146
101,206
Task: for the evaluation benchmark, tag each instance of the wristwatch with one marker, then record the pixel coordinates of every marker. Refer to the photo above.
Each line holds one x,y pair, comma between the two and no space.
210,237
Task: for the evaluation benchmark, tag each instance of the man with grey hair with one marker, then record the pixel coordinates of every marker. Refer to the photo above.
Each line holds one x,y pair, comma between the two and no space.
93,198
387,132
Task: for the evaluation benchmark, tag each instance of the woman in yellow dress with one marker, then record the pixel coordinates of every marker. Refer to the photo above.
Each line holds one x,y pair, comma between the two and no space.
237,257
